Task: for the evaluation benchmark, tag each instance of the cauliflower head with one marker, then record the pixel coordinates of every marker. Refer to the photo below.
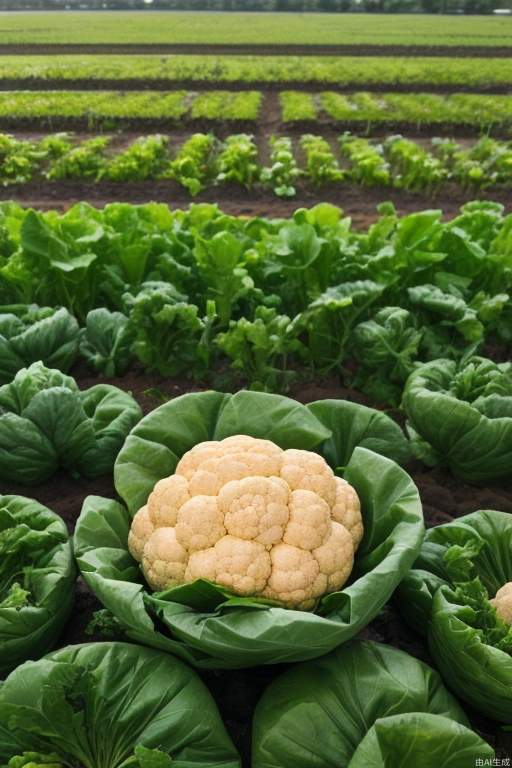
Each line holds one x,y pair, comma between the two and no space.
503,602
253,518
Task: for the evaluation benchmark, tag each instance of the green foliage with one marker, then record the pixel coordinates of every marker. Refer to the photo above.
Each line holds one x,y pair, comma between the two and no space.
368,165
195,163
106,342
446,594
463,415
29,333
260,349
167,333
144,159
46,422
283,172
373,705
37,574
321,165
237,161
110,705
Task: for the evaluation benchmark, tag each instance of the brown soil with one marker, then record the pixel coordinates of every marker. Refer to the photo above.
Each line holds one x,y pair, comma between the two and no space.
313,86
358,202
269,121
465,51
237,692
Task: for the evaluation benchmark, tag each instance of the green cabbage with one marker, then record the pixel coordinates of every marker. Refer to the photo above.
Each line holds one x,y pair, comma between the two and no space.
446,595
365,705
29,333
46,422
461,416
110,705
204,624
37,575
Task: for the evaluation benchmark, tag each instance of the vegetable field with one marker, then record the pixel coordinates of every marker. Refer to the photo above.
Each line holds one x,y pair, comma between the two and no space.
255,391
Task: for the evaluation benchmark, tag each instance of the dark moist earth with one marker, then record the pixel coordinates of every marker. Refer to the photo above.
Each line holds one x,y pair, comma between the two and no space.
237,691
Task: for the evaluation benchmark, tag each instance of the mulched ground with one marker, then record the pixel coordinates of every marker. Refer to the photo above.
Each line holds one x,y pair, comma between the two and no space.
238,691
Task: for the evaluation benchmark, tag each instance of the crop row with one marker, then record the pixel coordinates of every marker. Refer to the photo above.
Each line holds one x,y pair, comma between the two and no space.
104,108
203,160
395,108
339,71
264,28
183,291
100,107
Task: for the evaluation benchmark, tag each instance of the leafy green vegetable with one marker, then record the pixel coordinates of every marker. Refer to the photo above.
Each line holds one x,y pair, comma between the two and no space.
143,160
386,347
106,342
37,574
461,416
110,705
347,707
29,333
260,349
460,566
204,624
330,319
167,332
47,422
425,739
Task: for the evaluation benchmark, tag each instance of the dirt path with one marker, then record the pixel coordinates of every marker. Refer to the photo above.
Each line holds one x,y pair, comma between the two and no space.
358,202
149,84
465,51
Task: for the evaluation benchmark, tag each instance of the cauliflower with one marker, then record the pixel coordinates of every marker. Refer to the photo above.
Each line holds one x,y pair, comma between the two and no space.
503,602
253,518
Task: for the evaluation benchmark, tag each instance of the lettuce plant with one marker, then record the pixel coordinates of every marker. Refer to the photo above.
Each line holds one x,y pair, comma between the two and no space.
106,342
29,333
46,422
37,574
450,595
364,705
110,705
205,624
461,416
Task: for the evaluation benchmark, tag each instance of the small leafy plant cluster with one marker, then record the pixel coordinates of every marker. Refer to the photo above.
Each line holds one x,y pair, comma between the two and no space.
203,160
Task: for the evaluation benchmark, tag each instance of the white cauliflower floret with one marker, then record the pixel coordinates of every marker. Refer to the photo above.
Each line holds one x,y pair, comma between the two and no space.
255,519
336,557
141,530
256,508
310,520
240,565
200,523
166,499
347,510
230,459
295,579
164,560
307,471
503,602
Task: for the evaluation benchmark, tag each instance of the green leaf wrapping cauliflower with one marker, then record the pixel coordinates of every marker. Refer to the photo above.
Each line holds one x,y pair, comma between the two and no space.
253,518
